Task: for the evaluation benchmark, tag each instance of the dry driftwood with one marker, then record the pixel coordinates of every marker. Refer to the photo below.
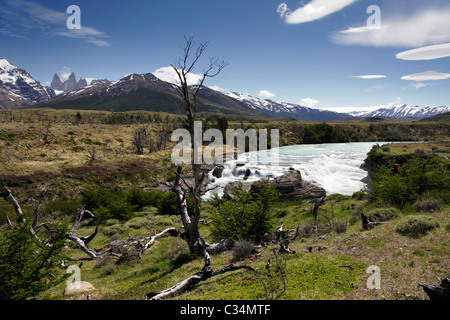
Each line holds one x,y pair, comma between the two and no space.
367,224
185,285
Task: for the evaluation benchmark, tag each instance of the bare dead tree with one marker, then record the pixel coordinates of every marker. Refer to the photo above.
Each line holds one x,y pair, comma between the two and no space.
189,96
48,136
140,139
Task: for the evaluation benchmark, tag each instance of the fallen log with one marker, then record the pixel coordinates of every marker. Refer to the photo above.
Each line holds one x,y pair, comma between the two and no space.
187,284
435,292
367,224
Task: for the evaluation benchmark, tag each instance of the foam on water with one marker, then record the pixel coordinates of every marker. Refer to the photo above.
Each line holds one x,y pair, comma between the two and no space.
335,167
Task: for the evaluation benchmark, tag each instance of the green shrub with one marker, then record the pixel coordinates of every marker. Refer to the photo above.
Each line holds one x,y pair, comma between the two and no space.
27,267
66,207
422,176
382,214
359,195
248,216
416,225
139,198
392,189
167,204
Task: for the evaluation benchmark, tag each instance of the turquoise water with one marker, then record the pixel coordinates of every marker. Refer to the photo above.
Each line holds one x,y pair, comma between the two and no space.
336,166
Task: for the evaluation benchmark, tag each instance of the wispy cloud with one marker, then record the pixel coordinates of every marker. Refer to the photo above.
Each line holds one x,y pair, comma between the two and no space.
426,53
27,15
370,76
425,27
420,85
65,72
315,10
266,94
427,76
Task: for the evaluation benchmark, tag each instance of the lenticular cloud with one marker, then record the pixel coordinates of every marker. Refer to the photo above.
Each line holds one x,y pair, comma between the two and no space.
315,10
426,53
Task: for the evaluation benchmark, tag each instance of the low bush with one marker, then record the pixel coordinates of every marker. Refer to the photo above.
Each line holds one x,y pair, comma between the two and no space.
121,204
359,195
416,225
382,214
136,222
115,229
242,249
428,205
339,226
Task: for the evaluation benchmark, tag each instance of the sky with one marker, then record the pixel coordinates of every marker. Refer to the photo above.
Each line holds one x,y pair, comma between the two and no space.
340,55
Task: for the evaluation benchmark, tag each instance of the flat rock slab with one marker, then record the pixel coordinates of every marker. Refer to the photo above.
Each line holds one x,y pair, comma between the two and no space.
78,287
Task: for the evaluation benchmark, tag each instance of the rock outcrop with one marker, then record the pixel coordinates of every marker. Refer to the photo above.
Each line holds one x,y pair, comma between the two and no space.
291,186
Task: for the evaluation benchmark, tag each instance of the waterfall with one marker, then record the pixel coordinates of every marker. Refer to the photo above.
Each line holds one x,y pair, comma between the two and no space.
336,167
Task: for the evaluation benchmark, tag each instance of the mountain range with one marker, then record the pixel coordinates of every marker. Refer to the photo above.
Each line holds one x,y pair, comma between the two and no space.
402,111
147,92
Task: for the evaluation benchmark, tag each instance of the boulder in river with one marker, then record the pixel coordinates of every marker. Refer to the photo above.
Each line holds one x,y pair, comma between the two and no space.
291,186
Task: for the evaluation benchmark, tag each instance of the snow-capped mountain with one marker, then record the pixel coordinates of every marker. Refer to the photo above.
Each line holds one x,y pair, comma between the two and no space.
19,88
283,109
144,92
403,111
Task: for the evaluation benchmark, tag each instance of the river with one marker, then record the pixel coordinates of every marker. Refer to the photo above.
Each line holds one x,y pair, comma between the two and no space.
334,166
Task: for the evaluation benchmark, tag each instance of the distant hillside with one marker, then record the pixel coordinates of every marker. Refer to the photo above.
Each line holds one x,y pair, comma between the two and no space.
282,109
444,117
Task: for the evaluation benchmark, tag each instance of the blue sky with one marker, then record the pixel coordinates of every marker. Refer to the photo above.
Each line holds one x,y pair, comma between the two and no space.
321,53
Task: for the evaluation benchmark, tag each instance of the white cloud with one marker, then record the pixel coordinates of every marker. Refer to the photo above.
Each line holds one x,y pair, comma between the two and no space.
425,27
265,94
168,74
427,76
370,76
426,53
315,10
309,102
89,80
